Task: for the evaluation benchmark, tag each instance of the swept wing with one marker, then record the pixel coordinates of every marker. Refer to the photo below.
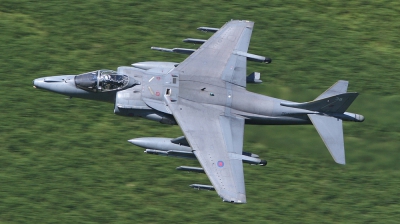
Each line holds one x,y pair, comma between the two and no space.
223,56
213,132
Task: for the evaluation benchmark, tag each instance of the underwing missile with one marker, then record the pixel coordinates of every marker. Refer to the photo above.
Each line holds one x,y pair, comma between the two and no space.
194,41
146,65
167,147
254,57
179,154
190,169
161,144
202,187
175,50
208,29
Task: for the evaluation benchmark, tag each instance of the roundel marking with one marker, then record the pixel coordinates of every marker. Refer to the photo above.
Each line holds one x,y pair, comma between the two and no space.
220,163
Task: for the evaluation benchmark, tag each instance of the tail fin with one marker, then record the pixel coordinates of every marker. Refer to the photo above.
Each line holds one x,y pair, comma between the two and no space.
331,105
334,104
338,88
333,100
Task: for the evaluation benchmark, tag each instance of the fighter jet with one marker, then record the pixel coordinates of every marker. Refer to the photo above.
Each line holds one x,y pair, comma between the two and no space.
206,96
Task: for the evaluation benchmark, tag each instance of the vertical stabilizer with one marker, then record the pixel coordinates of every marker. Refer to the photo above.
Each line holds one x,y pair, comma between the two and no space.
331,131
338,88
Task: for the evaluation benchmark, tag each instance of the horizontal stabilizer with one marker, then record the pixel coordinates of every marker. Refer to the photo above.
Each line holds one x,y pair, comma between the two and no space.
334,104
331,131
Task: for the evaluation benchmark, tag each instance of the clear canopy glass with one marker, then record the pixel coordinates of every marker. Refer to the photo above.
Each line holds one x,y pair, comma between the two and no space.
101,81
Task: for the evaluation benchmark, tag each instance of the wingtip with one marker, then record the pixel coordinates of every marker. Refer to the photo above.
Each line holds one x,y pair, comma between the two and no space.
241,199
341,162
339,159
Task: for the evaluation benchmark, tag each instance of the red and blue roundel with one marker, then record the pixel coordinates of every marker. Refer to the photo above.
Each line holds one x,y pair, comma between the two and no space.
220,163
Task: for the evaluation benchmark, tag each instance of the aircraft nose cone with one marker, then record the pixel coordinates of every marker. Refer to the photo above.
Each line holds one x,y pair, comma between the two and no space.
63,84
138,142
148,142
37,83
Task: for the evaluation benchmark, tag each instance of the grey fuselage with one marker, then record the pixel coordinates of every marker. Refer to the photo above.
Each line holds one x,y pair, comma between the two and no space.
147,100
143,95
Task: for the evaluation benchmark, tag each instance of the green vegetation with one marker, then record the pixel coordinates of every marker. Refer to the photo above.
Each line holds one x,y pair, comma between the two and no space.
67,161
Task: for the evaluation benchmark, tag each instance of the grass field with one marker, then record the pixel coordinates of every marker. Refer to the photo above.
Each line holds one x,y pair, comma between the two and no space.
68,161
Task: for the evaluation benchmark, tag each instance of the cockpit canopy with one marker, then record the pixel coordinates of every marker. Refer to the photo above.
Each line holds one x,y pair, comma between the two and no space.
101,81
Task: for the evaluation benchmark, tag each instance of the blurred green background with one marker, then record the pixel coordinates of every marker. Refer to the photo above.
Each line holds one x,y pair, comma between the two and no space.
68,161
